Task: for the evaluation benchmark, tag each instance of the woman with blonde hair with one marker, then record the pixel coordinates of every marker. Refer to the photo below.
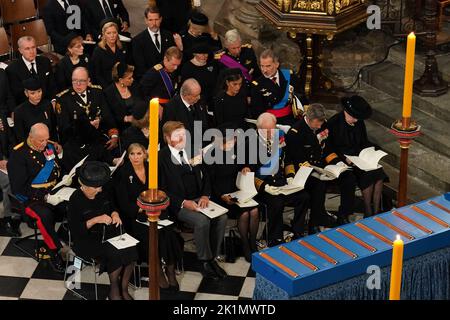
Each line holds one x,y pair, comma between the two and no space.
108,52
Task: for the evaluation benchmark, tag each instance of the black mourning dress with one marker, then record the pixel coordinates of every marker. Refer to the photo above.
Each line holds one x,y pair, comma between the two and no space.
350,140
87,243
223,179
64,70
232,109
128,186
205,75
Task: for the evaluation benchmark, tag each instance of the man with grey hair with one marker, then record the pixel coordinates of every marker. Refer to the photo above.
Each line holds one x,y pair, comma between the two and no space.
33,171
272,171
308,144
238,55
188,108
28,65
274,90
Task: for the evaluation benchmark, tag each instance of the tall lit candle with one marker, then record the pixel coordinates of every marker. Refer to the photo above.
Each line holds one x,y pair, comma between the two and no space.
409,76
396,269
153,144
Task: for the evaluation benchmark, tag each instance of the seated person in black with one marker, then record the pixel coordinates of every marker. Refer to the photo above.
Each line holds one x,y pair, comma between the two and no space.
202,69
348,135
121,95
223,174
231,103
75,57
129,183
32,111
93,219
189,188
108,51
138,131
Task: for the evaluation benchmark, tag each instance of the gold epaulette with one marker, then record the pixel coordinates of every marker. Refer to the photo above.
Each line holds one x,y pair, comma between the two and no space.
219,55
247,45
19,145
158,67
294,130
59,95
258,183
96,86
255,83
289,169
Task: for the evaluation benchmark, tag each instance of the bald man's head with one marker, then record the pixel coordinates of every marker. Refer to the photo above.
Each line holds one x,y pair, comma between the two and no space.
80,79
38,136
190,91
266,124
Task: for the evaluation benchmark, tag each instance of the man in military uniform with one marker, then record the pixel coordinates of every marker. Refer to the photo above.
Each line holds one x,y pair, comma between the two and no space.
86,102
161,81
273,173
238,55
307,144
274,91
33,171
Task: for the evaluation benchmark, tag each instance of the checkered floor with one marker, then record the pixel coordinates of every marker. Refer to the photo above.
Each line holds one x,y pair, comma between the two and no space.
22,277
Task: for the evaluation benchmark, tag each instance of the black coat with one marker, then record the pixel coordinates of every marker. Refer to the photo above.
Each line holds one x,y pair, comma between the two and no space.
152,84
26,115
118,107
55,20
94,14
102,62
145,54
7,105
18,72
206,76
176,110
174,20
170,180
64,70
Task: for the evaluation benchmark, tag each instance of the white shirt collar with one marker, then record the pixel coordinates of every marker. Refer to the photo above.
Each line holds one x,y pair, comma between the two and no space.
152,34
176,154
185,103
28,63
61,2
275,75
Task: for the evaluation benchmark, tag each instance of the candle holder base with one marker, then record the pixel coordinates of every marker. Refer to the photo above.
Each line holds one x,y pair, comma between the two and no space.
153,201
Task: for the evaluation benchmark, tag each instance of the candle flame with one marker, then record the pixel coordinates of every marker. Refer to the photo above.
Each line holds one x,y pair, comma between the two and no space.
398,237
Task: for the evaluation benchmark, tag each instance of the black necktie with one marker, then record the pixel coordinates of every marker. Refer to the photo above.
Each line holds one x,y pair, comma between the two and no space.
108,12
157,44
32,70
183,162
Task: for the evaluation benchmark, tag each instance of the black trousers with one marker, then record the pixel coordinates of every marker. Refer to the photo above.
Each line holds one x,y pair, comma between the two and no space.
275,208
317,190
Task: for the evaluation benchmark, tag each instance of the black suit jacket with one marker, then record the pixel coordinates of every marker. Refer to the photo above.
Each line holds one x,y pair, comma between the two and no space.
7,103
94,14
145,54
170,180
18,72
176,110
55,20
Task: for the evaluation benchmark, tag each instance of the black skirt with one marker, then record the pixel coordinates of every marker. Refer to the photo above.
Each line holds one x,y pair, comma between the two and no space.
367,178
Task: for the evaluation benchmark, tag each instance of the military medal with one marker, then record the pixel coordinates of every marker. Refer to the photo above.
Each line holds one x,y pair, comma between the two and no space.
49,155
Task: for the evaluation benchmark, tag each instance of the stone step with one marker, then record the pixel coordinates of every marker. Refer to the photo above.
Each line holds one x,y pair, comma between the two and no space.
388,77
387,109
424,164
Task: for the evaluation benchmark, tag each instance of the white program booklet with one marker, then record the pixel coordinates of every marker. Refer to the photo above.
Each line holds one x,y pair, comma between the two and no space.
123,241
161,223
246,185
331,171
119,162
213,210
69,176
65,193
368,159
299,181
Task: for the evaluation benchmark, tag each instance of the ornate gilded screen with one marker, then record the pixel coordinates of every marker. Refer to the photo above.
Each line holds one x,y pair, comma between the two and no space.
323,7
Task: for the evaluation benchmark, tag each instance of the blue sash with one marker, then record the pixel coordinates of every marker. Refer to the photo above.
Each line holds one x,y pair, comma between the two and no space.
46,171
167,82
287,75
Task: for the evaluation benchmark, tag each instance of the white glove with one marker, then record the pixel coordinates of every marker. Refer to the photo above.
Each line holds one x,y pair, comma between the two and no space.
272,190
69,180
290,180
340,163
54,199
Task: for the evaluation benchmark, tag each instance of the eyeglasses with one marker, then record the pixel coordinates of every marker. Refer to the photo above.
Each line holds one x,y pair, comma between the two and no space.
79,81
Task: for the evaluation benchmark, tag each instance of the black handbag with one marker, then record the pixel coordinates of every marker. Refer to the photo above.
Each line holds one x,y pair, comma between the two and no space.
232,247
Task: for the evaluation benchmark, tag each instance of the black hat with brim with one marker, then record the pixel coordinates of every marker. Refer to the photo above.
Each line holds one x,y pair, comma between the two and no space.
32,84
68,38
94,174
200,47
106,20
357,107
